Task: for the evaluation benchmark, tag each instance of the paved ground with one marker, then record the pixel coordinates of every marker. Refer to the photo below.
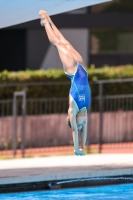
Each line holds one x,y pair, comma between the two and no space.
64,167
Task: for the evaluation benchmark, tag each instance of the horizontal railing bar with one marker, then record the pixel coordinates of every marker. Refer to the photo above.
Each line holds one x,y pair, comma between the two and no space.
48,99
118,96
64,83
36,99
34,84
19,93
113,81
115,96
66,98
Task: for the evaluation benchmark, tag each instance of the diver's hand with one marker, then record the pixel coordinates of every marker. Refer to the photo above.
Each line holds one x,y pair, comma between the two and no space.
79,153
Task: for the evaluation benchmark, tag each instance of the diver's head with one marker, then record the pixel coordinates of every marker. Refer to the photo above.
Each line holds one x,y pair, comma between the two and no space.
81,120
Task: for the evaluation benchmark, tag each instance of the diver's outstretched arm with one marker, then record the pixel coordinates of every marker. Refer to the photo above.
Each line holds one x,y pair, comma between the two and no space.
83,135
75,133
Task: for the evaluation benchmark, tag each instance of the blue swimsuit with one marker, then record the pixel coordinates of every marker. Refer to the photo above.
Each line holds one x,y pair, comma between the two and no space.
80,90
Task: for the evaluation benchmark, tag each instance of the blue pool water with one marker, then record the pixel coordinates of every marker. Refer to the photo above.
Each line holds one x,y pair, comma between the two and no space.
115,192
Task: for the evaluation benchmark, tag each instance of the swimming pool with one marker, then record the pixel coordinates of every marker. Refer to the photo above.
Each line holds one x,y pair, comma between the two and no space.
121,192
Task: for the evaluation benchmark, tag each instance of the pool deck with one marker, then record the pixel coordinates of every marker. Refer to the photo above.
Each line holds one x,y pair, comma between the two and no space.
25,170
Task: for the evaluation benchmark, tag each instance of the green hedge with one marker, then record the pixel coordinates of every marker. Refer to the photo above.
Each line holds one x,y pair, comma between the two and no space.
55,75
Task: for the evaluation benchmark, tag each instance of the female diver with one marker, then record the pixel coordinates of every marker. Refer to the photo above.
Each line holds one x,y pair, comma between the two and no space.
79,96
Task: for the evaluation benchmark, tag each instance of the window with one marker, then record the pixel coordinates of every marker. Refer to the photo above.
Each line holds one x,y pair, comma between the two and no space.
117,6
111,41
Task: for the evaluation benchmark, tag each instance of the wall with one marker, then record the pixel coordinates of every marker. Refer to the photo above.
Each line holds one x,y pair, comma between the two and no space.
41,54
50,130
78,38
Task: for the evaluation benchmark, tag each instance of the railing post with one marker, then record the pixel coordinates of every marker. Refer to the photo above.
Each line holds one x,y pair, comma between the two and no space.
100,115
89,128
23,94
14,124
23,122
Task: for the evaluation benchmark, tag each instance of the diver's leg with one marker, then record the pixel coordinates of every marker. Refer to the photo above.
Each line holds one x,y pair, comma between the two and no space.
68,61
56,30
59,35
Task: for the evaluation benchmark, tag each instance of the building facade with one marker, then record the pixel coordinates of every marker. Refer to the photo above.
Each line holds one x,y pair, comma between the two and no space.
103,34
